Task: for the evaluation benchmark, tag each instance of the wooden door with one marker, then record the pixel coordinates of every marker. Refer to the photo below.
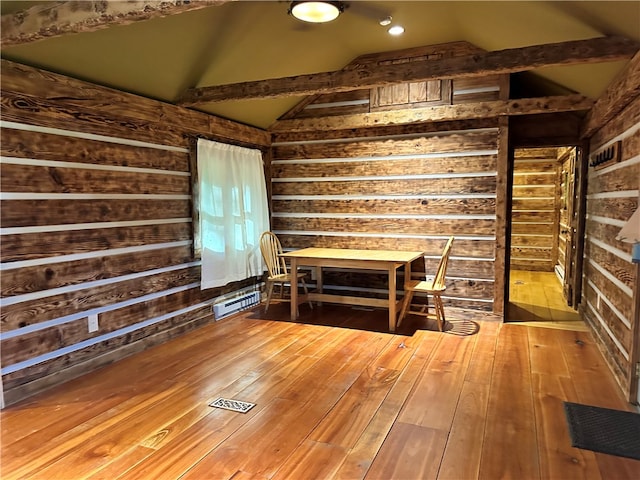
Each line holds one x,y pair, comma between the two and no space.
569,230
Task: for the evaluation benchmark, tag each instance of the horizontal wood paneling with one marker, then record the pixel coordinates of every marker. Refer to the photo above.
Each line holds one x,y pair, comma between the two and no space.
68,334
534,216
45,146
95,220
533,211
24,280
31,312
120,109
387,131
610,289
620,268
30,246
610,278
23,213
520,204
431,246
617,325
480,89
527,191
34,179
438,144
456,288
607,233
545,230
381,225
399,200
18,107
627,119
50,372
424,206
620,208
341,103
357,167
429,186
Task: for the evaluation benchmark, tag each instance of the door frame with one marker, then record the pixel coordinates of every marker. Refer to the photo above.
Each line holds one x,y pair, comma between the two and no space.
578,222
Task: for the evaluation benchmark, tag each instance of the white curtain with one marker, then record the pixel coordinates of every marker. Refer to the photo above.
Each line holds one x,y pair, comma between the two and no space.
233,212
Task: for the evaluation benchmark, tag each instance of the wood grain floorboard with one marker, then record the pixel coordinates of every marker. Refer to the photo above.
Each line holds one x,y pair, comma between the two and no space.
337,397
510,424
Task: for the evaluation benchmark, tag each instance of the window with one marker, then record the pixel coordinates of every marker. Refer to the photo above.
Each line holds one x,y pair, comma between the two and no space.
233,212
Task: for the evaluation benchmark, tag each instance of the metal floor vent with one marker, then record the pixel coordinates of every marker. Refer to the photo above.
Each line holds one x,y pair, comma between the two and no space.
234,405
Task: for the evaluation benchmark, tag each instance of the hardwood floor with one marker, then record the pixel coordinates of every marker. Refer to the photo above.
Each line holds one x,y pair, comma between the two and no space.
537,297
336,397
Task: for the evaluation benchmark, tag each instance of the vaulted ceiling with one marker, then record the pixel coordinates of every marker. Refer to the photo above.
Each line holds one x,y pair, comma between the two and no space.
239,41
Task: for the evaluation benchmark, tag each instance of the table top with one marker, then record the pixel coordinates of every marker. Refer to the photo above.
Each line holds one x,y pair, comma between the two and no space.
350,254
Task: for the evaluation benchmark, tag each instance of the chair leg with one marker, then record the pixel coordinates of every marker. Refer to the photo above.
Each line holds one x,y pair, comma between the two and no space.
439,308
425,306
269,293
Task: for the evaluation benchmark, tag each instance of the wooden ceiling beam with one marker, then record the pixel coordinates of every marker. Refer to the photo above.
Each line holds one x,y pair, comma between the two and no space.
443,113
624,88
66,17
603,49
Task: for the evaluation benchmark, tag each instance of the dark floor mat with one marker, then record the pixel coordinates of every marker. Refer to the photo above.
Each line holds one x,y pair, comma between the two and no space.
604,430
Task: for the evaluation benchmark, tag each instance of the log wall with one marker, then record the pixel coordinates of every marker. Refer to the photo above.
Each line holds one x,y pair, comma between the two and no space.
398,188
96,226
409,192
534,209
610,279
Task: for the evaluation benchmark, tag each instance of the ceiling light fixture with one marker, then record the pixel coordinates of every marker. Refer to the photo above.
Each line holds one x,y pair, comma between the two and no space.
316,12
396,30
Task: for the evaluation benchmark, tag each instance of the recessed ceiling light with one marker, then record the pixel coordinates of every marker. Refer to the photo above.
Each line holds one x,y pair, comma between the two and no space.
396,30
385,21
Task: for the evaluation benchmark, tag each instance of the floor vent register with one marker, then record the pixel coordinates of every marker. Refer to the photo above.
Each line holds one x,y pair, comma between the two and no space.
233,405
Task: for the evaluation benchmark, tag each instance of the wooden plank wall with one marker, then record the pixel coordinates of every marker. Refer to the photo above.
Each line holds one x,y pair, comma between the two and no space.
96,226
394,188
610,283
534,209
397,193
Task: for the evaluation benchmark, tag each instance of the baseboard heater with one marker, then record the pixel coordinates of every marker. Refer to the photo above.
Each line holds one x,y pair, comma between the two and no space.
235,304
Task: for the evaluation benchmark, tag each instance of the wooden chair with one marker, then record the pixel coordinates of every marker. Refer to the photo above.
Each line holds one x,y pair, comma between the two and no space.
435,288
271,250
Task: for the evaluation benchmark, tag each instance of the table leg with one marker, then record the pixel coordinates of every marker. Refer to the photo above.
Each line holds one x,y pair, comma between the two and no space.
294,289
319,284
392,298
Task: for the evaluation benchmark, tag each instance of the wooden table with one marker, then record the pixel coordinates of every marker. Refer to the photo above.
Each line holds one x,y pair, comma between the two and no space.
382,260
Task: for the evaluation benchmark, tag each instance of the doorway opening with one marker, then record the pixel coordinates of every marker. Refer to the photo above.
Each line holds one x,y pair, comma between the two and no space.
544,246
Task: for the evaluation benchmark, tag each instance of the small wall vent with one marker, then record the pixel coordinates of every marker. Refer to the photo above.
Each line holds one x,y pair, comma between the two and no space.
235,304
